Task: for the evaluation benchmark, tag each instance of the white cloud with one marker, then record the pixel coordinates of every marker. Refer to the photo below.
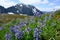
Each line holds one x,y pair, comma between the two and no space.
51,4
29,1
34,1
7,3
44,1
56,0
49,9
46,9
57,7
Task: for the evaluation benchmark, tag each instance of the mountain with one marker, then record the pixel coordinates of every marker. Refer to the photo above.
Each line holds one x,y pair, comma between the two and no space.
12,10
2,9
21,9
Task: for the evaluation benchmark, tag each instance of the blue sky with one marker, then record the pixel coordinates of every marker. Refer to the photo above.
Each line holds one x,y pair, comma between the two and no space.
43,5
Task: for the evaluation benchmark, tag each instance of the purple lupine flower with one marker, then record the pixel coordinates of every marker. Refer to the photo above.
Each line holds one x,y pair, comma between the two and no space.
8,36
16,27
40,32
36,34
28,30
1,28
19,34
11,29
15,30
36,39
37,14
21,24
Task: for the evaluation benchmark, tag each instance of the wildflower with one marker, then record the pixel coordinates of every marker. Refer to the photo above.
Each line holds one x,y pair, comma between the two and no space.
1,28
28,29
8,36
11,29
40,32
16,27
15,30
36,34
36,39
21,24
37,14
19,34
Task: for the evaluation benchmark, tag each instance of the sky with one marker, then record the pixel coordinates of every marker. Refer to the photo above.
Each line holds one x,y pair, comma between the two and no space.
43,5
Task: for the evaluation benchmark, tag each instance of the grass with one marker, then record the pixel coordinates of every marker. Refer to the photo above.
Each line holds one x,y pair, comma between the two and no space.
4,18
50,31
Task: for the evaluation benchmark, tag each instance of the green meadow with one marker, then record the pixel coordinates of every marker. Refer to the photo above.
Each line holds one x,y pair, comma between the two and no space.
48,26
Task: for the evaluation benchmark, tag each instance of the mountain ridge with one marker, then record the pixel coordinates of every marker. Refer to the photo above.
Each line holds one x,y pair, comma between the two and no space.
21,9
